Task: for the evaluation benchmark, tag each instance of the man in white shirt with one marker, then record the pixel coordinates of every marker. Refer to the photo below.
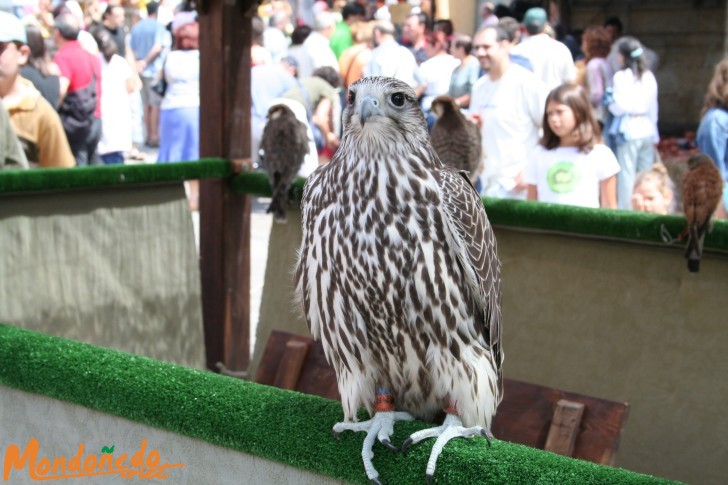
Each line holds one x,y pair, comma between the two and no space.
389,58
316,50
509,103
551,60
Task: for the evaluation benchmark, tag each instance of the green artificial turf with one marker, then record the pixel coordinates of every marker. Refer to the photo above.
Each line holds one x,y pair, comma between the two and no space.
600,223
272,423
108,175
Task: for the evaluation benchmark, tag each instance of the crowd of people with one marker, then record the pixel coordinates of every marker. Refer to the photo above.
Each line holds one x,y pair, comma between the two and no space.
564,118
96,86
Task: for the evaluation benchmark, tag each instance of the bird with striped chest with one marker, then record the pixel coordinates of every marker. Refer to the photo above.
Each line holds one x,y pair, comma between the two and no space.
398,276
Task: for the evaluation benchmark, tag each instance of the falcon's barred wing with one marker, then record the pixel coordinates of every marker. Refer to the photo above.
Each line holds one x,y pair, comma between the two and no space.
475,244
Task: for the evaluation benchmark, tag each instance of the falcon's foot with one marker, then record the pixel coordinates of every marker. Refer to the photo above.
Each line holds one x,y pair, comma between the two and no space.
451,428
380,427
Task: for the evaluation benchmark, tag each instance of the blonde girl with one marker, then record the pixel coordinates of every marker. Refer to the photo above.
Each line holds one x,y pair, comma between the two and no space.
653,191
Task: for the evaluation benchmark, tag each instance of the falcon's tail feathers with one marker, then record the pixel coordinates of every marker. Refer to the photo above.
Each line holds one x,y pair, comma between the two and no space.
694,249
278,206
279,199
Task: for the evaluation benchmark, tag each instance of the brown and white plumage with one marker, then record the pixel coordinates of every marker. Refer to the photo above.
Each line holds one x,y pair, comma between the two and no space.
454,137
397,270
285,145
702,190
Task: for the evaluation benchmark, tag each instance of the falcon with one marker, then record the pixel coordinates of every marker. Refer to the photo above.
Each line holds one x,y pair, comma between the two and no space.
454,137
702,191
285,145
398,276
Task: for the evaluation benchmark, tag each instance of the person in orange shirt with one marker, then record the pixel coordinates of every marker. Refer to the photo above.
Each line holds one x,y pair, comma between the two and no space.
354,58
35,121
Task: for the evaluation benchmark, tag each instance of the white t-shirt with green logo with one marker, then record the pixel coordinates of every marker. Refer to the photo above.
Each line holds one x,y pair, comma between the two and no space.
565,175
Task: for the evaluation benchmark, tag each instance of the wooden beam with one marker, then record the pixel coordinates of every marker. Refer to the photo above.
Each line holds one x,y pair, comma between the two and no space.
564,427
289,370
225,39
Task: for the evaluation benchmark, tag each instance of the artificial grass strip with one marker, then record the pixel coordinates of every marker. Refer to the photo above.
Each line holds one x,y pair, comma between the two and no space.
280,425
256,183
109,175
601,223
598,223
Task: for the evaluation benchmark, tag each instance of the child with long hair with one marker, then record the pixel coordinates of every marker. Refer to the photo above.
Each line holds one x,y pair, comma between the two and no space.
635,108
571,165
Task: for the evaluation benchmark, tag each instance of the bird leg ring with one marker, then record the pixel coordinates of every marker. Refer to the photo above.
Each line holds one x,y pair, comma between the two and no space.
451,428
380,427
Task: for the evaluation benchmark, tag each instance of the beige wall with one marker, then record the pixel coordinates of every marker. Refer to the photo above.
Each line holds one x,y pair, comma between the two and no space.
626,322
617,320
689,37
464,14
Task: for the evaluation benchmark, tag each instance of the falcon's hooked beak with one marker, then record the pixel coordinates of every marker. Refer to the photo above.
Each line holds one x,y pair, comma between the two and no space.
369,108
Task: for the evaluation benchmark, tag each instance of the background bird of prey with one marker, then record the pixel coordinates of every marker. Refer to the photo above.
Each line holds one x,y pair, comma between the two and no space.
399,277
285,145
455,138
702,190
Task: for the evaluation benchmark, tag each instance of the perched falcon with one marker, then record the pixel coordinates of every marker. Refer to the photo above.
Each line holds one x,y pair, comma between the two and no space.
455,138
399,277
702,190
285,145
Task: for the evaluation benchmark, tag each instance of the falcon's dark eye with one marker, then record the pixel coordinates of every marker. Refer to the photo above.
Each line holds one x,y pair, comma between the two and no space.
352,97
398,99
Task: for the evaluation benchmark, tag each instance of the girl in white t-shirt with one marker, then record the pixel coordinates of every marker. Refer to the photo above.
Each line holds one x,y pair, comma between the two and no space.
571,165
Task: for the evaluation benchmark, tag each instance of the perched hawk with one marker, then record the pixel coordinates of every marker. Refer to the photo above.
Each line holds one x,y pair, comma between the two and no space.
702,190
399,277
455,138
285,145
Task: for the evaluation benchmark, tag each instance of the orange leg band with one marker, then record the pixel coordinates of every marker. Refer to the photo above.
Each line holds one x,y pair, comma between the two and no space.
383,401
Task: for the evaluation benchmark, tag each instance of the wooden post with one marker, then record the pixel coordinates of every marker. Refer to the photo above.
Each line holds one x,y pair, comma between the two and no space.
291,365
225,39
564,427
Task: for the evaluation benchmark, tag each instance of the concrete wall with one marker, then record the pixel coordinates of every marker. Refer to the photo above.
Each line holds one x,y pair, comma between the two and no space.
61,427
690,38
618,320
111,267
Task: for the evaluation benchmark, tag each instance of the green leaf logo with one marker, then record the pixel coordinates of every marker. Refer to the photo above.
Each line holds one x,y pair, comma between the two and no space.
106,449
563,177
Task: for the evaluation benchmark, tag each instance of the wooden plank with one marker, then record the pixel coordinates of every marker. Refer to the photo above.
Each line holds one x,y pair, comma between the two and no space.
317,377
564,427
524,416
211,212
225,38
291,364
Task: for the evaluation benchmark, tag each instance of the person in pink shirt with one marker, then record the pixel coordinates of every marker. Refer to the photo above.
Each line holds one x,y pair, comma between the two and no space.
80,107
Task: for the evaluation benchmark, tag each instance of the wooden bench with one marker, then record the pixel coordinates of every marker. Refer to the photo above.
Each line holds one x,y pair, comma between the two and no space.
563,422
